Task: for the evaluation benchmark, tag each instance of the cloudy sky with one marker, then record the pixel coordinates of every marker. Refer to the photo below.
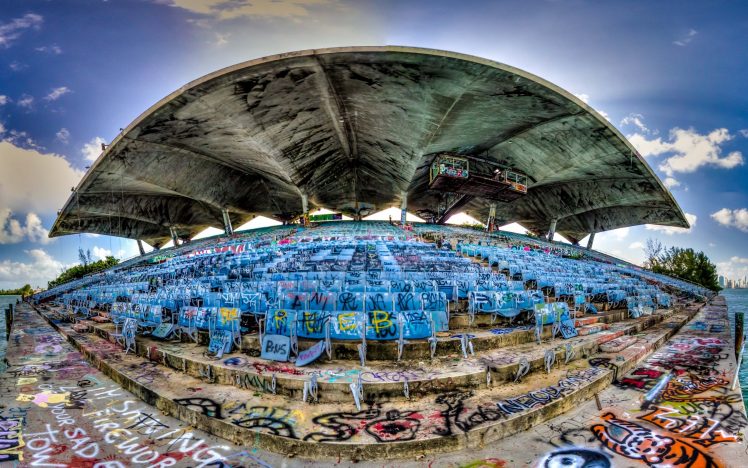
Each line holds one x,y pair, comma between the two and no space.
671,75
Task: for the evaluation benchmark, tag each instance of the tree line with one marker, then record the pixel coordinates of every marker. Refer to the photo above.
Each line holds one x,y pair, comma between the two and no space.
681,263
79,271
24,291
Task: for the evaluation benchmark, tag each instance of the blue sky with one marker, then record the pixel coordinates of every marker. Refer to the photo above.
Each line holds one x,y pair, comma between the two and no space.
671,75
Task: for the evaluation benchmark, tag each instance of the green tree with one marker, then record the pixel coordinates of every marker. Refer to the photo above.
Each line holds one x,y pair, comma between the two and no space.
24,291
682,263
79,271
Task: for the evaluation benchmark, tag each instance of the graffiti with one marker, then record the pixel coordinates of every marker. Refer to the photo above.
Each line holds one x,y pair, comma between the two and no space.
276,421
575,457
279,369
45,398
255,382
206,406
395,426
235,361
343,426
716,426
606,364
11,439
636,442
349,302
398,375
486,463
147,424
146,372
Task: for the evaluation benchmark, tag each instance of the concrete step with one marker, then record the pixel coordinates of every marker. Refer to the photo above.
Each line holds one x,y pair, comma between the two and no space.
451,420
383,380
487,337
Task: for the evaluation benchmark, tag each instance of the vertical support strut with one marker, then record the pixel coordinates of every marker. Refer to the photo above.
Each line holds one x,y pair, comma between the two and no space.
491,217
174,236
140,247
552,230
227,228
304,209
403,206
590,240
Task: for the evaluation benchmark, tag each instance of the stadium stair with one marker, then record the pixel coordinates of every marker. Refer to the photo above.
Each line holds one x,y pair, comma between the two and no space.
451,402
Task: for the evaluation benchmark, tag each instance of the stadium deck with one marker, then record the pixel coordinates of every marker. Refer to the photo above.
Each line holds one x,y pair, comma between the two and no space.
513,352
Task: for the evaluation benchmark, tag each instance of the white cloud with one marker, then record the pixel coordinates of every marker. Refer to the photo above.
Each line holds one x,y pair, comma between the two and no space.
16,65
688,37
604,114
25,101
737,218
92,149
41,269
13,231
2,129
230,9
53,49
637,120
743,132
636,245
585,98
671,182
34,182
736,267
669,230
13,29
63,135
57,93
4,99
21,139
101,253
221,39
690,150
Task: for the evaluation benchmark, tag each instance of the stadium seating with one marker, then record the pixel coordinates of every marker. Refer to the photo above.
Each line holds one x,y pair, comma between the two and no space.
357,281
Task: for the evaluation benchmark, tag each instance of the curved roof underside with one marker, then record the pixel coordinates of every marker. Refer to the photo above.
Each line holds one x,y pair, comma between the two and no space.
357,127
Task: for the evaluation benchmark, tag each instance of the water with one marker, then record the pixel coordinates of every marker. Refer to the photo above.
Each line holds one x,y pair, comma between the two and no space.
4,301
737,301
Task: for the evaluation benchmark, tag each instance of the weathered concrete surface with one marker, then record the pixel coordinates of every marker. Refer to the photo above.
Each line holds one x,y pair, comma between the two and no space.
359,127
449,421
57,410
498,351
698,421
697,417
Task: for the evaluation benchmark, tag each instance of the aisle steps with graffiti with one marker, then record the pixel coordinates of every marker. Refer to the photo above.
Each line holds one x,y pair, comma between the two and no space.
451,420
678,408
383,380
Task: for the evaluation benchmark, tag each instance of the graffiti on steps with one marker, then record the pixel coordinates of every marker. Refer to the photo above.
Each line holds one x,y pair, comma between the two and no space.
637,442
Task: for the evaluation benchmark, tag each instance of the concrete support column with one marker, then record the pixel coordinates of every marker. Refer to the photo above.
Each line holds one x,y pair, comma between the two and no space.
590,241
140,247
403,207
491,217
304,209
227,228
552,230
174,236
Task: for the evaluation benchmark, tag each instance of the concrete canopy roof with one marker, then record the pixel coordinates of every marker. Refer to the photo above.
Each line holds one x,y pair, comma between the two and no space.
357,127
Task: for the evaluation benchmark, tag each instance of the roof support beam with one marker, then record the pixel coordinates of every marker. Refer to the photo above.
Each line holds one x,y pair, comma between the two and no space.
461,201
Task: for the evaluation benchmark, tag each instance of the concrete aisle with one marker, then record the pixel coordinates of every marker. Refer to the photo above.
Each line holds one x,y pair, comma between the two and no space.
696,421
56,410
